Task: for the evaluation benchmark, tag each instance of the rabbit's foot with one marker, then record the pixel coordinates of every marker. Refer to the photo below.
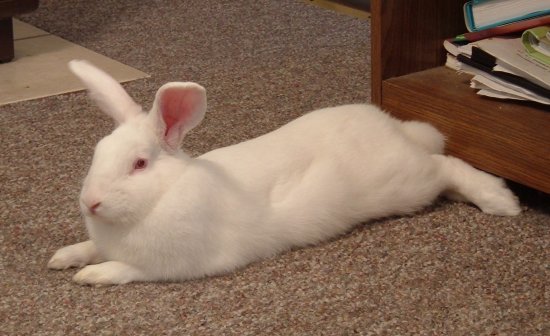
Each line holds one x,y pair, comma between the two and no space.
486,191
498,200
77,255
108,273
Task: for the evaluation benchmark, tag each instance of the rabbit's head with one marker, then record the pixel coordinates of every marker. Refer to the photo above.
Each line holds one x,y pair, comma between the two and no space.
133,165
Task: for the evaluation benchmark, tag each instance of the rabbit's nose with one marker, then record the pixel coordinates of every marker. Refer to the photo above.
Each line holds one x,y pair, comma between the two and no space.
94,207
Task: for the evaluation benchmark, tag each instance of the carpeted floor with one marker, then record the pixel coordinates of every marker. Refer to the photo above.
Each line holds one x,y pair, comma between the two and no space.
449,270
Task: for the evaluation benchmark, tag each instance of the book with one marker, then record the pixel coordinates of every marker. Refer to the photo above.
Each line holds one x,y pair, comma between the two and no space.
484,14
510,28
537,43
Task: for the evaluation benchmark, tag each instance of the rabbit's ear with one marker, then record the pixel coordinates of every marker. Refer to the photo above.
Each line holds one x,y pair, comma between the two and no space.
178,108
106,92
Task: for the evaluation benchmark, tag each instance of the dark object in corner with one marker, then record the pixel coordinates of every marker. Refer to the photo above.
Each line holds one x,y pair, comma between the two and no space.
357,4
8,9
362,5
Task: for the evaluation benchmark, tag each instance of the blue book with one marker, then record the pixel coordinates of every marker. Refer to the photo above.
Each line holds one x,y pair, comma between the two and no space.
485,14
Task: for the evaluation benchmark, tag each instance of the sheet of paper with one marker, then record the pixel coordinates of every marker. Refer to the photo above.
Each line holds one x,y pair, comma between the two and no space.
481,82
510,53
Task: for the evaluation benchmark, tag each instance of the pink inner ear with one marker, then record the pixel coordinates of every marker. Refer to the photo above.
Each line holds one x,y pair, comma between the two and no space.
176,107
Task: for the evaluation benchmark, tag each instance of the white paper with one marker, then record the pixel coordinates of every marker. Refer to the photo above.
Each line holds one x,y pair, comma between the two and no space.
496,94
511,54
482,82
486,81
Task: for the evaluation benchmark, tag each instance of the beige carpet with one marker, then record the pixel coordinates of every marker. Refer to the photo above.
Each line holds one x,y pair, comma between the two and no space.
449,270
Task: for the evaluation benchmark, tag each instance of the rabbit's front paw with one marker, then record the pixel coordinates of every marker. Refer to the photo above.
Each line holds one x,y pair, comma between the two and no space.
108,273
76,255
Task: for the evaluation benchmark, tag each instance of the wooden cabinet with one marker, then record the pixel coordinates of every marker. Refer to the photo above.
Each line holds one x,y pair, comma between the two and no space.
508,139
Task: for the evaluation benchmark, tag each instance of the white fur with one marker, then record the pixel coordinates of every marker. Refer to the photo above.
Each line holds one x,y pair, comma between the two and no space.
307,181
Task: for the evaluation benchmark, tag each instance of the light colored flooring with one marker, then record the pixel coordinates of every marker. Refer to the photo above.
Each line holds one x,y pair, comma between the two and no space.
39,68
342,8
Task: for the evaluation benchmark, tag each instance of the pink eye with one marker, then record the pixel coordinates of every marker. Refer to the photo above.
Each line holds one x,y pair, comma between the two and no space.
140,164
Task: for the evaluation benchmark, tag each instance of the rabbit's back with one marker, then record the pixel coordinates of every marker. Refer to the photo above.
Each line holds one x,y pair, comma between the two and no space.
327,170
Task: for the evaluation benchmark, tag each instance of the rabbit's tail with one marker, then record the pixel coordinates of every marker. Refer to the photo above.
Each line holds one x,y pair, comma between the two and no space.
465,183
424,135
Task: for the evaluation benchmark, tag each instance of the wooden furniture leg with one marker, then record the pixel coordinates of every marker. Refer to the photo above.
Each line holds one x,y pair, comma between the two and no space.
9,9
6,40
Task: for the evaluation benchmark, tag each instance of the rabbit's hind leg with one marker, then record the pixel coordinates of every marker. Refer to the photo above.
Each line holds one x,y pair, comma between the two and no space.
488,192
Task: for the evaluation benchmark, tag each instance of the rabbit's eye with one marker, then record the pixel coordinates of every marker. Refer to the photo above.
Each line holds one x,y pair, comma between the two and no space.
140,164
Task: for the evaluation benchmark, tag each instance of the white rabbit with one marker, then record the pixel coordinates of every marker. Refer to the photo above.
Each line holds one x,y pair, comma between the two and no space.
153,213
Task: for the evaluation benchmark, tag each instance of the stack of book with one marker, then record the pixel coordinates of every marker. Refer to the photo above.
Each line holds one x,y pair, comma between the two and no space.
507,49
